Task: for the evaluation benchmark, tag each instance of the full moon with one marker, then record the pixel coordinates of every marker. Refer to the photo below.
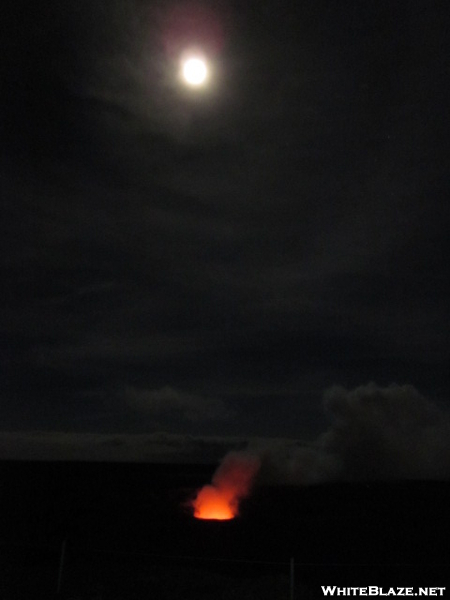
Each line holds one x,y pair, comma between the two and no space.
194,71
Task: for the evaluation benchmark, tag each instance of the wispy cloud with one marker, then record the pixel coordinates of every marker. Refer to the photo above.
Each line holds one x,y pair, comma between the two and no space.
167,401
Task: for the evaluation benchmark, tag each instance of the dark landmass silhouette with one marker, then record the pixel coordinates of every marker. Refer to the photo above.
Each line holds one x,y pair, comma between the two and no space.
377,533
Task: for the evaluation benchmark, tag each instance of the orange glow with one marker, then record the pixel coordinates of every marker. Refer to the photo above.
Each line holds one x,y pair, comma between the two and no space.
212,503
231,483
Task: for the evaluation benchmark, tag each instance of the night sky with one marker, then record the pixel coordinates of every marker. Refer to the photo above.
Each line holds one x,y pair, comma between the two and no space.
209,262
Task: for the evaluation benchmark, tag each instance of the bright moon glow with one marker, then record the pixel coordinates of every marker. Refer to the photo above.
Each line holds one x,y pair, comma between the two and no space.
194,71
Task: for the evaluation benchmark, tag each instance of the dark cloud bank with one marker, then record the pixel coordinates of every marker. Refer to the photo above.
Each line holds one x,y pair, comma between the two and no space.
375,433
206,267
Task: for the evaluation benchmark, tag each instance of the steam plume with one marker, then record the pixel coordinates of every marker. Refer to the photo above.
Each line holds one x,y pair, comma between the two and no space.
376,433
231,483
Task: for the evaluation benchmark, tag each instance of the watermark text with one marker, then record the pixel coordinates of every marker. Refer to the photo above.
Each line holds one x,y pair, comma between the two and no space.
374,590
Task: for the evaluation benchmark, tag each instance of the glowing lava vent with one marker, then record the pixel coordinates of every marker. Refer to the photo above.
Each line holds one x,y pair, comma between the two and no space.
231,483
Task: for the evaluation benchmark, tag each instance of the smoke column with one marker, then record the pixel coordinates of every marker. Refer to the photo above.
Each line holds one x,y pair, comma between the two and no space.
231,483
375,433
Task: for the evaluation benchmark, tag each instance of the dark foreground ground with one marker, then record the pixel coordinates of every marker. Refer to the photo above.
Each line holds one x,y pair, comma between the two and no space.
127,532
